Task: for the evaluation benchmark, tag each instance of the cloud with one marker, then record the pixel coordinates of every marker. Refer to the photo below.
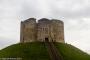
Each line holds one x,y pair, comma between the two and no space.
70,9
4,41
9,22
56,8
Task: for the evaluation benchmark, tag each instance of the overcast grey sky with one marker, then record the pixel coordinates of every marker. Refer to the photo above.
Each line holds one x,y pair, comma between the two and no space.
74,13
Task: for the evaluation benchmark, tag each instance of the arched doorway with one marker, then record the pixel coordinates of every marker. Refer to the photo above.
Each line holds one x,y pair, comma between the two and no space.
46,40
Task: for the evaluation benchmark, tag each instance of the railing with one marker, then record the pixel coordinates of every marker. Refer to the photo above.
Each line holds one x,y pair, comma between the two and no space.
52,50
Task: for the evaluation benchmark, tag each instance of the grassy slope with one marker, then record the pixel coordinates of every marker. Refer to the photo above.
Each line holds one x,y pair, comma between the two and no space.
70,52
37,51
28,51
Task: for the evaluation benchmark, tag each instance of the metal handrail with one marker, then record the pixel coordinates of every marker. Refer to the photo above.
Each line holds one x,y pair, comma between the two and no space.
52,50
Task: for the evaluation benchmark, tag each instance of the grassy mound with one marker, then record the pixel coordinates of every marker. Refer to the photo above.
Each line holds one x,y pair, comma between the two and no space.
38,51
70,52
26,51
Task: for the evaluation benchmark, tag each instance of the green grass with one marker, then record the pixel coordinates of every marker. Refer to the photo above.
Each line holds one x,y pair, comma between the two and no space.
70,52
26,51
38,51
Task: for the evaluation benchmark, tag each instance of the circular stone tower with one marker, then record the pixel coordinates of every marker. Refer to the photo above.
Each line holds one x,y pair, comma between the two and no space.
57,30
43,29
51,30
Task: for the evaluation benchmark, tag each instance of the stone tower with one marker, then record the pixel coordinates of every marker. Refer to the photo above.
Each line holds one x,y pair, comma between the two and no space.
44,29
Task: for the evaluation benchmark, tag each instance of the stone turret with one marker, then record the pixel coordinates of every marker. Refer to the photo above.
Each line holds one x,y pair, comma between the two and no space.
44,29
28,30
58,30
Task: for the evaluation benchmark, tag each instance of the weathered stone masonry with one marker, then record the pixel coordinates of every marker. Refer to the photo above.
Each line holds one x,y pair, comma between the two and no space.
32,31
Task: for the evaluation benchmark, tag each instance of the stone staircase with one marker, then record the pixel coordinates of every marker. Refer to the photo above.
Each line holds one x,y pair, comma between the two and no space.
53,52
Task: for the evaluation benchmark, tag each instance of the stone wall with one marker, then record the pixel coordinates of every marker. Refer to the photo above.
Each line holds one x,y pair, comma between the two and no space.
53,30
58,30
43,29
28,31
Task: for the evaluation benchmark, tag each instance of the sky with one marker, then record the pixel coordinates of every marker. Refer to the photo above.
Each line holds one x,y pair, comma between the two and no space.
74,13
